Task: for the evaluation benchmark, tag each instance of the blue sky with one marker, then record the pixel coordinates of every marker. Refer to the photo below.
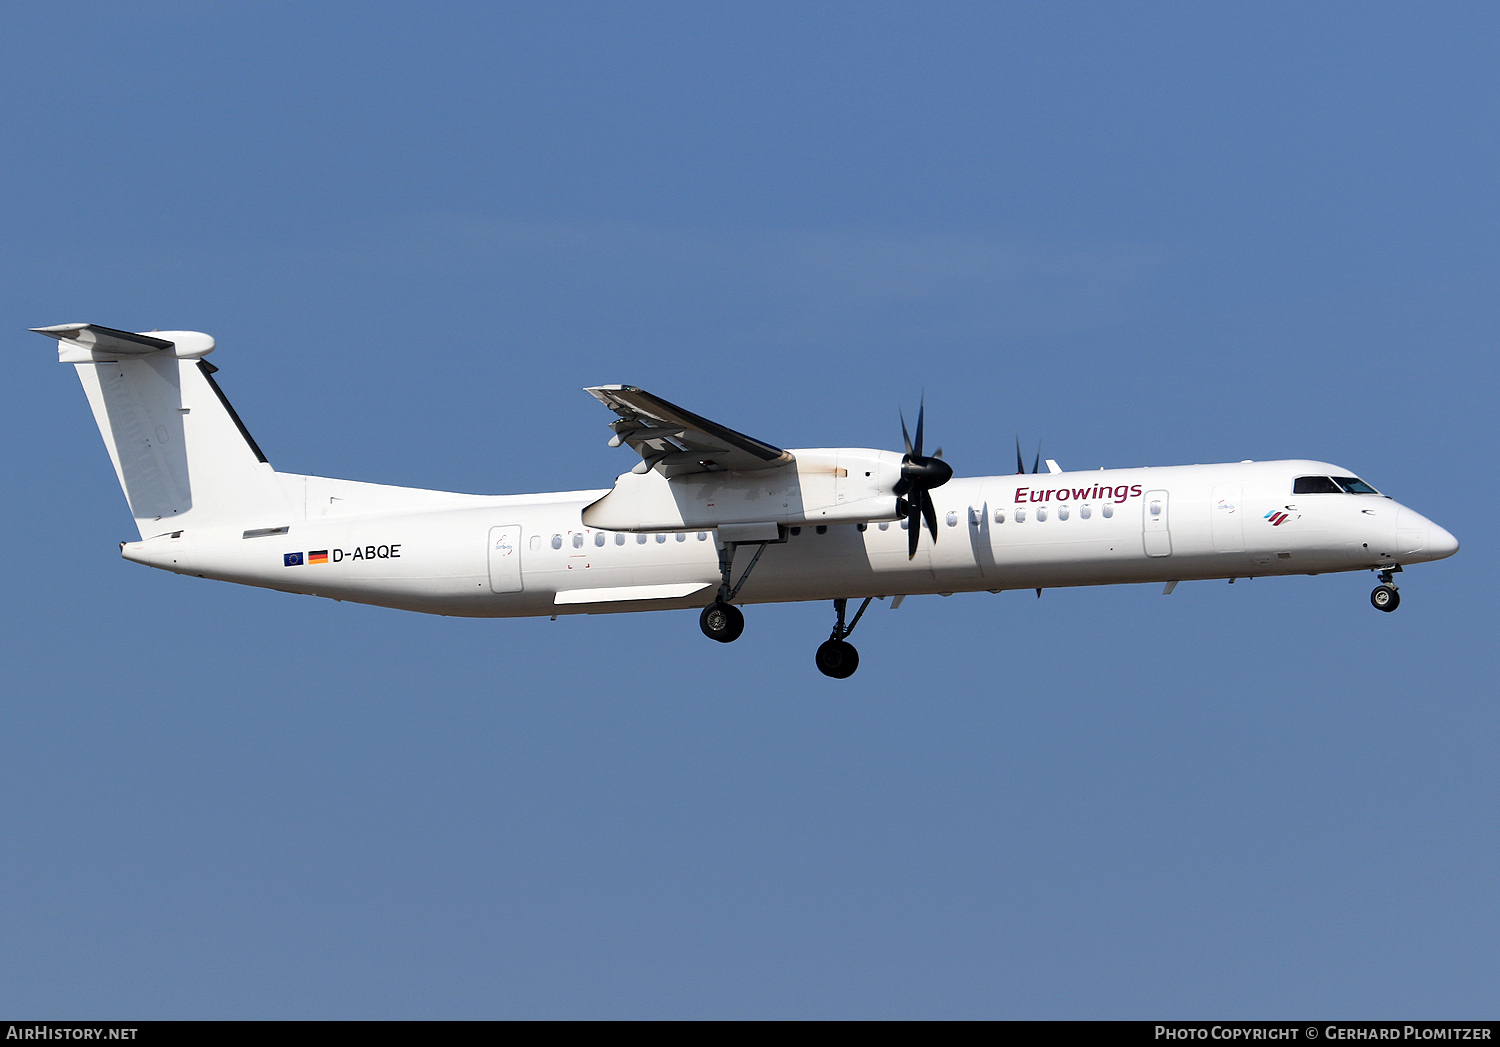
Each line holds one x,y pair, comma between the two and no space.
1144,234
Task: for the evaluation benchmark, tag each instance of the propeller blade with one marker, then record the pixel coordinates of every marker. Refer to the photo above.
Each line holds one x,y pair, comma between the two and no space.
1020,463
919,475
1037,465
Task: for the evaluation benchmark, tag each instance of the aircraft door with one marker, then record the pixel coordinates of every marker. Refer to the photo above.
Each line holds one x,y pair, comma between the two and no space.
1226,510
505,558
1157,532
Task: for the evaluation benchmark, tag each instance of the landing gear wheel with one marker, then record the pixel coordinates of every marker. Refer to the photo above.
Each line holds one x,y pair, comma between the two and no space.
722,622
1385,598
838,659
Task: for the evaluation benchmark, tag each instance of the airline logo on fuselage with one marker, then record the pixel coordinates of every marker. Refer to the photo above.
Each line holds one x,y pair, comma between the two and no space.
1097,493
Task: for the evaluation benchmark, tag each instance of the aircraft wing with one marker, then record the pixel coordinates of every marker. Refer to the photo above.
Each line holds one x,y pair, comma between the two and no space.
675,441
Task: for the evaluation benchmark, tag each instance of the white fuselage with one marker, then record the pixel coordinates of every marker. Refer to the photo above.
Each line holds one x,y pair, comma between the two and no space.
511,556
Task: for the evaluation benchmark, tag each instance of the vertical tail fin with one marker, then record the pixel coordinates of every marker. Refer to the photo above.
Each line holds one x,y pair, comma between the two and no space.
182,455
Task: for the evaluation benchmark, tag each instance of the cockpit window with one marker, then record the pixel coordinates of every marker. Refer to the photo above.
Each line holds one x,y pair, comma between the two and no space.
1354,485
1315,485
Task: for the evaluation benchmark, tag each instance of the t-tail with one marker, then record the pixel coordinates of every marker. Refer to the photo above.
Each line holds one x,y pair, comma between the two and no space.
182,455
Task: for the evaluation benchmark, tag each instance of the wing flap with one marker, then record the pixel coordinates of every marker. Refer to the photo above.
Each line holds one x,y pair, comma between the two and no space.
676,441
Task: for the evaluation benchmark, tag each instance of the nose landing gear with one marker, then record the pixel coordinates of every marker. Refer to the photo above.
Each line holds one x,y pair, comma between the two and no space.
836,656
1385,597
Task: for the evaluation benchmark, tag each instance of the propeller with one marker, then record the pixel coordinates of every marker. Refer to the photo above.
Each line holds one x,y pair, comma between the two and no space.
1021,464
919,475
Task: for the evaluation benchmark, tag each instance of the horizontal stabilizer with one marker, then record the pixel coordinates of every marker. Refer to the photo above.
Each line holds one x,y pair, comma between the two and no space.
87,343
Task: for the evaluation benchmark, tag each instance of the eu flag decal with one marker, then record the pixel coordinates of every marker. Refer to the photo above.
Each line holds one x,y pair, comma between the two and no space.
318,556
291,559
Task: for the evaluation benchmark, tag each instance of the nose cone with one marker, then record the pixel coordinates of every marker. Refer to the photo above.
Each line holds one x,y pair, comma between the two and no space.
1439,542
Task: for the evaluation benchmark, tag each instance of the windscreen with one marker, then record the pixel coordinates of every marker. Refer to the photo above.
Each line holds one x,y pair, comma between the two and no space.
1315,485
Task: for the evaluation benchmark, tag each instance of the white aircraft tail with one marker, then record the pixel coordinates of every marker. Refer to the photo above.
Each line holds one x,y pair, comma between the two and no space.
182,455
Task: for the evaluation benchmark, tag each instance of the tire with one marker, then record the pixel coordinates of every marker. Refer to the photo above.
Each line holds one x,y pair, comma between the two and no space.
722,622
838,659
1385,598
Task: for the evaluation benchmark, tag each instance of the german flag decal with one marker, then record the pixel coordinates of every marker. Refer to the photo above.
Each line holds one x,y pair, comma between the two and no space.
318,556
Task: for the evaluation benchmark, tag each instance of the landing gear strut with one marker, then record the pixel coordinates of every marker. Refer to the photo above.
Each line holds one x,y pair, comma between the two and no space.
1385,597
837,657
721,620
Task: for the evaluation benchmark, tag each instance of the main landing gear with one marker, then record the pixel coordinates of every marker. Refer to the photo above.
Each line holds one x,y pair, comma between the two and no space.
1385,597
721,620
837,657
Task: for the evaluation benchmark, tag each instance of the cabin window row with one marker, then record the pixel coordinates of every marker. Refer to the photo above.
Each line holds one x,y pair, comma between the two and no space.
601,539
1018,515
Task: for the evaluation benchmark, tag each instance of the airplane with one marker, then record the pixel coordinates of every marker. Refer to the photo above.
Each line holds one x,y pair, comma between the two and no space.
830,523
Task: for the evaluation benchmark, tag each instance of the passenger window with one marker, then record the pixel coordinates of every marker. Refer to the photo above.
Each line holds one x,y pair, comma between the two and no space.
1020,516
1041,514
599,538
536,543
661,539
557,541
619,539
1155,508
999,515
1084,512
821,528
682,536
702,536
1314,485
1106,510
1354,485
863,526
640,539
796,530
1062,512
952,519
905,523
578,541
884,525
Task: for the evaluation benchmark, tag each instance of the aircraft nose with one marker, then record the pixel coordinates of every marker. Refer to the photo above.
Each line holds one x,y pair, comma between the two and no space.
1439,542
